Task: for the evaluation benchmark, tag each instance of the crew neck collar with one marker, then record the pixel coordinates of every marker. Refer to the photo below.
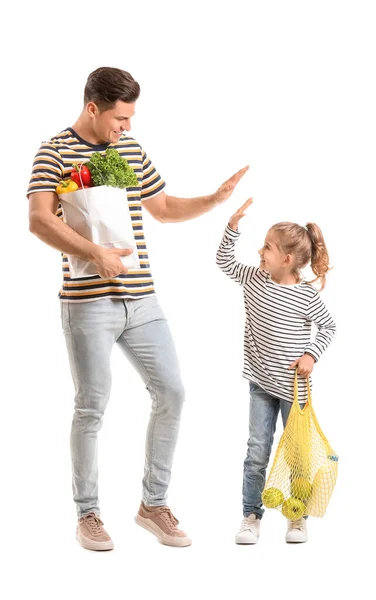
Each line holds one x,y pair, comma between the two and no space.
285,285
94,146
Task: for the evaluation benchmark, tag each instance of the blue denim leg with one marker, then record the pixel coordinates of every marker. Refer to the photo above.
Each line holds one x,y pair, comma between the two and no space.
148,345
263,414
140,328
91,330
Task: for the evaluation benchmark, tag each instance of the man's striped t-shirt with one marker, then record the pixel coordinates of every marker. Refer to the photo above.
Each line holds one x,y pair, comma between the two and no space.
53,163
278,324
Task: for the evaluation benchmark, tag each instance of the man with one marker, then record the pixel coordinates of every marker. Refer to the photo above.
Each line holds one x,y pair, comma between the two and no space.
117,305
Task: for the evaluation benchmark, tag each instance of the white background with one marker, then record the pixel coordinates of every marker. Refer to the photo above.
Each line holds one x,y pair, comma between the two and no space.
286,87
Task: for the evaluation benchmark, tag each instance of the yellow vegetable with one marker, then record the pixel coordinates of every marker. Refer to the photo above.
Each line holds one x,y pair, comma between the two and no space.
66,186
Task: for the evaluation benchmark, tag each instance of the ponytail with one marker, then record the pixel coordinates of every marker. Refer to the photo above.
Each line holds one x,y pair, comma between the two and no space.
307,245
319,254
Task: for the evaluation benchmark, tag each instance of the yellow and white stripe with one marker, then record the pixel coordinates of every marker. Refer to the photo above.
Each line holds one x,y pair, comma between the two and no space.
53,163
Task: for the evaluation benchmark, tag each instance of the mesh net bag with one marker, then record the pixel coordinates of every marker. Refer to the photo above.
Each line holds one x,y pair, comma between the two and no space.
304,471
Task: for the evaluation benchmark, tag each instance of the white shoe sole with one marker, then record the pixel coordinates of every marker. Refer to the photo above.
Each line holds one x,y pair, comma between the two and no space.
244,542
164,538
92,545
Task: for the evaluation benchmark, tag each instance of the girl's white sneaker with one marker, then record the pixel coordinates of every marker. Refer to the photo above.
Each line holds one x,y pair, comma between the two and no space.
249,530
297,532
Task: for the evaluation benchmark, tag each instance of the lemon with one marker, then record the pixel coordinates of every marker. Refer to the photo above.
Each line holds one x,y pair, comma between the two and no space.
301,488
293,509
272,497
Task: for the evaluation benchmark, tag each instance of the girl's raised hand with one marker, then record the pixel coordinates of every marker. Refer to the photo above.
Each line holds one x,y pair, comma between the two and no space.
240,213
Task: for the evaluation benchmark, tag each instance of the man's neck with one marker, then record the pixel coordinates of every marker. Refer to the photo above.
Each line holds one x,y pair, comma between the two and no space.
85,131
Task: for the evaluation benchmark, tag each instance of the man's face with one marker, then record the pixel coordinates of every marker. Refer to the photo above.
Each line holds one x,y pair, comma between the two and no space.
109,125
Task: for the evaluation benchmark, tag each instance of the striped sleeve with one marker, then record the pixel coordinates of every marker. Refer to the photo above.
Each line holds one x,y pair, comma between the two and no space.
319,314
152,182
226,258
47,171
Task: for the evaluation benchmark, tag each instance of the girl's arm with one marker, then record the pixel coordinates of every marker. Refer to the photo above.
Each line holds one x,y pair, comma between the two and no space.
319,314
226,258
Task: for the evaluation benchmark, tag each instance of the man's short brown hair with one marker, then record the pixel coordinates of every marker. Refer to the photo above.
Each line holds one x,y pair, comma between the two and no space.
106,85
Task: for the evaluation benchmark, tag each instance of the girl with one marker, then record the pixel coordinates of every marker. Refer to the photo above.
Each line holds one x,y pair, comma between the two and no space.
280,308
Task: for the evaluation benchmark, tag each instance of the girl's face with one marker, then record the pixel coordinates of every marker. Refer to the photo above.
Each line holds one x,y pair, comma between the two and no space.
273,260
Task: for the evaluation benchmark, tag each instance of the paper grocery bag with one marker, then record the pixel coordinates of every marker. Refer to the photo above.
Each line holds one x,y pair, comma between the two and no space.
100,214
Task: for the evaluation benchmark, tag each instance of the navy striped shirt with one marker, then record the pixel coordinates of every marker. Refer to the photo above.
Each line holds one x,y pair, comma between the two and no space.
278,324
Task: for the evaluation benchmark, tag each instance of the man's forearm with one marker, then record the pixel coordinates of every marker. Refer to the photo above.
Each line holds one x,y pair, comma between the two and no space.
54,232
183,209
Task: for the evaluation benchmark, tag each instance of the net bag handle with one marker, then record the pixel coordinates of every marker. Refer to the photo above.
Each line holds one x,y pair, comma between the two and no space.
296,391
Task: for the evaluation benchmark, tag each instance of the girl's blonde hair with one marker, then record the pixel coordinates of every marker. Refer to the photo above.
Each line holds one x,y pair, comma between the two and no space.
307,245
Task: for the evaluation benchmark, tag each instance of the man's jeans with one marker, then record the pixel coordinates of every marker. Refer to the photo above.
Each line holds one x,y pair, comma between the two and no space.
142,332
263,414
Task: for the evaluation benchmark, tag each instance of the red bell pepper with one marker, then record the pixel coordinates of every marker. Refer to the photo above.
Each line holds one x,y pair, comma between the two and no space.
81,175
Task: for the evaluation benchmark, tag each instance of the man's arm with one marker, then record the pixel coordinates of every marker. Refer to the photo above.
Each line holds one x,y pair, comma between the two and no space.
170,209
52,230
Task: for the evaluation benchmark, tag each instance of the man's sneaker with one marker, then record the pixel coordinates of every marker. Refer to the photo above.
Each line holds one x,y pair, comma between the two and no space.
249,530
297,532
92,535
160,521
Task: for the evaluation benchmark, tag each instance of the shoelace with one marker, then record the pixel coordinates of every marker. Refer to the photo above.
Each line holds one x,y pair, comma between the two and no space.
296,525
94,523
250,524
169,518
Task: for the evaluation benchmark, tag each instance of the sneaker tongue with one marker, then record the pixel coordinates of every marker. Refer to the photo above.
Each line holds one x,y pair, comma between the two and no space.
170,516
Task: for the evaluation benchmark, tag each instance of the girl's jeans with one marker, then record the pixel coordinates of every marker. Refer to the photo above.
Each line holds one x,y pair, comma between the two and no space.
263,413
140,329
